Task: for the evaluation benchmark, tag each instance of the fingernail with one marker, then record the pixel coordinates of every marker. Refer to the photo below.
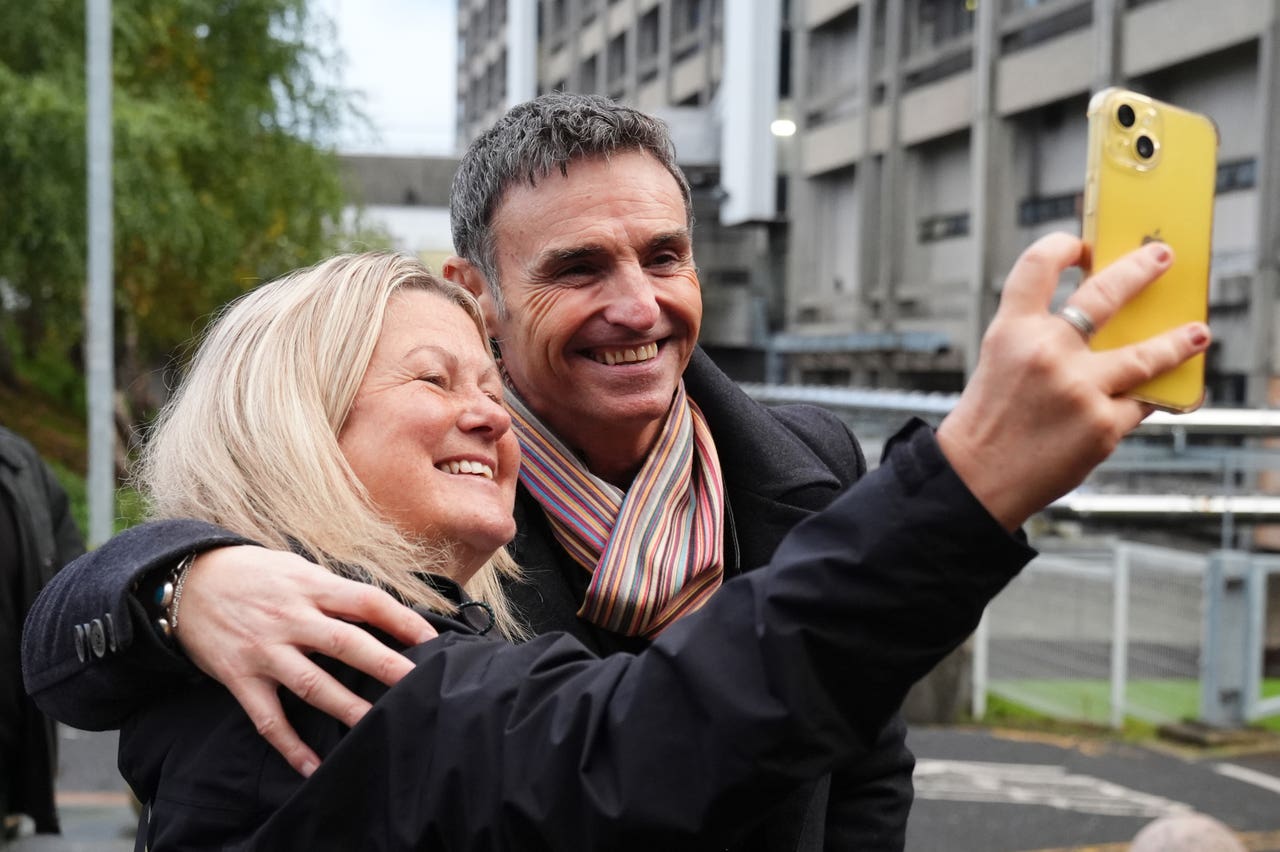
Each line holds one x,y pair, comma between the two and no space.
308,768
1161,253
1199,336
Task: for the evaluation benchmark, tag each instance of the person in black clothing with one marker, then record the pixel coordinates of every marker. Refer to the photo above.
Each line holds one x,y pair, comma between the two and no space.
352,413
573,225
37,537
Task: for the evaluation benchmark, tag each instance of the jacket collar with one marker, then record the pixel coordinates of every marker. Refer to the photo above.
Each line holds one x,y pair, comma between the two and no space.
758,453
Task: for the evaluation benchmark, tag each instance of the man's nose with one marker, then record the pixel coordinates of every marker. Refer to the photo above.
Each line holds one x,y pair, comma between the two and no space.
632,299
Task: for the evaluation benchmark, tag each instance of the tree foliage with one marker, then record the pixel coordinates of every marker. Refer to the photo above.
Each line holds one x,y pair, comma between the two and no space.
220,174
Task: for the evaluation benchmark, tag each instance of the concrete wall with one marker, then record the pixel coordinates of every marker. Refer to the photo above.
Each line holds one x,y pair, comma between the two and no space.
1176,50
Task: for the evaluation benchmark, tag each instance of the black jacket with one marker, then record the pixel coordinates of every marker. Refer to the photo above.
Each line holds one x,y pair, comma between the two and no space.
780,466
46,539
788,671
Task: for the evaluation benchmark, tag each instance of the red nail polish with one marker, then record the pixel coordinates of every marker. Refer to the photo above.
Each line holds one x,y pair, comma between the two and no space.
1161,253
1199,336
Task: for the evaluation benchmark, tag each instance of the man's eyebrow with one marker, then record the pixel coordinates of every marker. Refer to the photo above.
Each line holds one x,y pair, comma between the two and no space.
571,253
681,237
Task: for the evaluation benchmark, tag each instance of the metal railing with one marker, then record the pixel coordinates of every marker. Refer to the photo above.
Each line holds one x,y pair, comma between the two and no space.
1256,706
1122,629
1128,630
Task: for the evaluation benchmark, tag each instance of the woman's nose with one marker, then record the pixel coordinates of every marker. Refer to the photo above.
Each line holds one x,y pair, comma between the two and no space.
482,412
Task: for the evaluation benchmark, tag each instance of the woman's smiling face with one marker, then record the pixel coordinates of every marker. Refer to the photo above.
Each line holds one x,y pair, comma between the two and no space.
427,434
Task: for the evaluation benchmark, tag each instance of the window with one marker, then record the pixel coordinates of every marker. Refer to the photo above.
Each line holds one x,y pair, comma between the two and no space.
1237,175
500,82
647,46
687,15
588,80
686,22
557,20
940,21
616,64
944,227
1050,208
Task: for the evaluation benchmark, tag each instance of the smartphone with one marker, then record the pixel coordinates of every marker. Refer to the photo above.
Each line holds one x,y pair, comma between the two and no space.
1152,168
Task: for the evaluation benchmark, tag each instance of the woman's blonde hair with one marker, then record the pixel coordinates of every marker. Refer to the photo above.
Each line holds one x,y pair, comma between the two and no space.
249,439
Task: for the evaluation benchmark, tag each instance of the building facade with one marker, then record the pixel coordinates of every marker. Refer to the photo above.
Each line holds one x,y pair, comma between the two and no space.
404,200
934,139
711,70
939,138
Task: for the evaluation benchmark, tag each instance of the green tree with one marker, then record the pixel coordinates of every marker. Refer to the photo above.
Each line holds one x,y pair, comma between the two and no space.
221,175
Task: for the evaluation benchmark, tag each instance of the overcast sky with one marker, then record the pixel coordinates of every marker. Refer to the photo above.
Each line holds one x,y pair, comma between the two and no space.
400,56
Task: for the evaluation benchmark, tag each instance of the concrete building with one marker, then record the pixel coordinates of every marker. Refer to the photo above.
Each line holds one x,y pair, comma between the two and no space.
711,69
406,198
938,138
933,140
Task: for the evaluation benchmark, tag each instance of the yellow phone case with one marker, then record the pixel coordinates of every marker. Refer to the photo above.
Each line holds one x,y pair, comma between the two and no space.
1152,168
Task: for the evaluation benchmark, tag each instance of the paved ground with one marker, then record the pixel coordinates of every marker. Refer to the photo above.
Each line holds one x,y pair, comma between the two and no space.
984,791
976,791
93,801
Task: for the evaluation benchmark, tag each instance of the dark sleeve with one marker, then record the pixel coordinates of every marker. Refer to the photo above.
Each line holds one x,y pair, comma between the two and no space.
67,540
67,679
786,672
870,797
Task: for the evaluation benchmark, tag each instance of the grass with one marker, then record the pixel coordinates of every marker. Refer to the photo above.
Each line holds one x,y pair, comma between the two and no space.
1088,702
130,508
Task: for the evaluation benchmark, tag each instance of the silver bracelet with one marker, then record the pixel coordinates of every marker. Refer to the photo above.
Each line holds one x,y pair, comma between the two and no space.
179,580
169,594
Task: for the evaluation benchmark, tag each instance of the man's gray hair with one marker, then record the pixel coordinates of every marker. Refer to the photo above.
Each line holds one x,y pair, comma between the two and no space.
527,144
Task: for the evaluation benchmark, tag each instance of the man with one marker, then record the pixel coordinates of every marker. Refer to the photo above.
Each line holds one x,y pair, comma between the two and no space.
37,537
572,224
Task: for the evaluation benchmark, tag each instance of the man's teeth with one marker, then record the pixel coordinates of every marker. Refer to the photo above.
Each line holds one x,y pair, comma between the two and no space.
472,467
628,356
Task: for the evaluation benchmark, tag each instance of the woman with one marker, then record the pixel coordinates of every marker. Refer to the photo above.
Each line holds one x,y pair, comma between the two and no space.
351,412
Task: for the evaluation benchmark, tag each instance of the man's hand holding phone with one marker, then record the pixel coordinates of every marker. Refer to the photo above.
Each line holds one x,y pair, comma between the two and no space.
1042,409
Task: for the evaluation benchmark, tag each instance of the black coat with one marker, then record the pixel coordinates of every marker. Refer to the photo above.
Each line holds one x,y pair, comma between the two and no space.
780,466
787,672
46,539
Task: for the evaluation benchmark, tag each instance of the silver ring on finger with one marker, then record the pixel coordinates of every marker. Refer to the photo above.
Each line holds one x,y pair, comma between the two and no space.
1078,320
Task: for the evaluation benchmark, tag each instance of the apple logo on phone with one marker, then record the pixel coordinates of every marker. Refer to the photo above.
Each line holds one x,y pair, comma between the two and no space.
1152,238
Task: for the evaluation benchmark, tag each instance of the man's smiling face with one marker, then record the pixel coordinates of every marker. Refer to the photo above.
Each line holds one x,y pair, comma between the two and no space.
602,301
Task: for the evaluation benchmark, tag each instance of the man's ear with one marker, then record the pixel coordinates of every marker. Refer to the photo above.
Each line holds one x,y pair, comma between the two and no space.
461,271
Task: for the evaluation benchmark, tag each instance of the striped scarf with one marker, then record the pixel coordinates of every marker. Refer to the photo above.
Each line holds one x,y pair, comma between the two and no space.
656,551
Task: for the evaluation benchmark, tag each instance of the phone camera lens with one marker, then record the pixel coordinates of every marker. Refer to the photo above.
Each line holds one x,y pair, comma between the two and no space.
1145,147
1126,116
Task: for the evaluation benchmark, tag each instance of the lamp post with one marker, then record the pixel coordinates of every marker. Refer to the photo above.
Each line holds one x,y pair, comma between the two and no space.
99,344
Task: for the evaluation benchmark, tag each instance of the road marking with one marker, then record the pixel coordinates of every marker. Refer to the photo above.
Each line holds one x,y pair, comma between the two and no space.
92,799
1249,776
1035,784
1254,841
